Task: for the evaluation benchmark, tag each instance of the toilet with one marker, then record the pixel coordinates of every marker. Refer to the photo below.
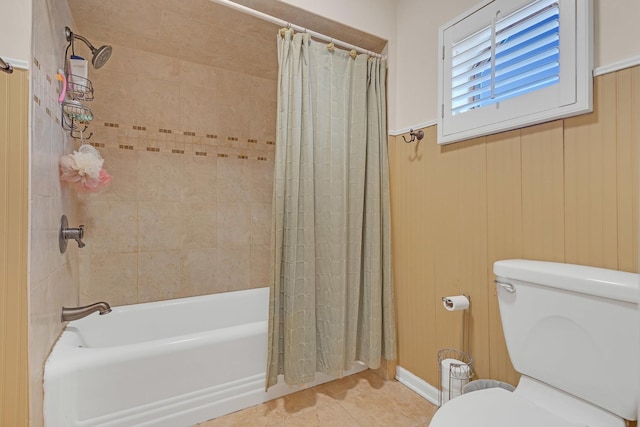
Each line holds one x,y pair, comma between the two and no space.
572,332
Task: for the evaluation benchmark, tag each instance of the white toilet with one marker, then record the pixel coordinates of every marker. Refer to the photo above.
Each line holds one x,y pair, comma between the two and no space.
573,334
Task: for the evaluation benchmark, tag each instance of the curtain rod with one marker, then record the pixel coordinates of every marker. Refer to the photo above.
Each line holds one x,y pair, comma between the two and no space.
283,23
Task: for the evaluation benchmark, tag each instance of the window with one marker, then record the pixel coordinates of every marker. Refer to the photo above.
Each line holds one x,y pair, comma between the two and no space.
509,64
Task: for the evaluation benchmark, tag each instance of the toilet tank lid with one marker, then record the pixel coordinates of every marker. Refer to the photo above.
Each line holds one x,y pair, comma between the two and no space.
600,282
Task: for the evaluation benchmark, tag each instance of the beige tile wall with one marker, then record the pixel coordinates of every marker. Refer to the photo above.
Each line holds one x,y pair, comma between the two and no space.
191,150
53,277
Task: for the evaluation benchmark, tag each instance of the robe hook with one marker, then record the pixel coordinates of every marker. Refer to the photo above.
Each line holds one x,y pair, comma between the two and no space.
414,134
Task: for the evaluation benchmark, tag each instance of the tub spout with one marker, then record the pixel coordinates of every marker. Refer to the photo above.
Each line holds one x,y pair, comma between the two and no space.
75,313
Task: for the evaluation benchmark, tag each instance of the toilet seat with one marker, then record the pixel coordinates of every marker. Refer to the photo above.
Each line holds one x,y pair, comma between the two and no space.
496,407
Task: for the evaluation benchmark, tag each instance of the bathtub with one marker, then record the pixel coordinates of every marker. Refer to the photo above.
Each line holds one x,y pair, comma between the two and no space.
168,363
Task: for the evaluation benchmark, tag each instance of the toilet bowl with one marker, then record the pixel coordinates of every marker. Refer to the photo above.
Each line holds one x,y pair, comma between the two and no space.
565,327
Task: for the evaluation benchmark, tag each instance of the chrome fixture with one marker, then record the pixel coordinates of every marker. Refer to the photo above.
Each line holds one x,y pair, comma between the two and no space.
75,313
414,134
5,66
67,233
100,55
506,286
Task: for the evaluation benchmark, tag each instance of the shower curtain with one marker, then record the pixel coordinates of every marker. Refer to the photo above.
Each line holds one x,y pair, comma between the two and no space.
332,293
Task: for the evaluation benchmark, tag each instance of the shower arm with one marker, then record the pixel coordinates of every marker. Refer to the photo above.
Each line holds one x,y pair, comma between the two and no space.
71,36
99,56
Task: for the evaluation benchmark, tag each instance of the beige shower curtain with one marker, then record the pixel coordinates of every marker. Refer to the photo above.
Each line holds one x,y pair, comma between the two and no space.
332,293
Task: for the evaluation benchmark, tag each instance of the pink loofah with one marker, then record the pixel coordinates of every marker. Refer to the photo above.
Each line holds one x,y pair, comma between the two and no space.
83,169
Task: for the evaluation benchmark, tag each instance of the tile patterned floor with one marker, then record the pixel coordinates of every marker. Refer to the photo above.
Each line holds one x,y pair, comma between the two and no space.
360,400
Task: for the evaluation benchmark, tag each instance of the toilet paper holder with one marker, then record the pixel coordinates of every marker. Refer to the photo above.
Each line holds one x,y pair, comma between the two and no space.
448,303
455,367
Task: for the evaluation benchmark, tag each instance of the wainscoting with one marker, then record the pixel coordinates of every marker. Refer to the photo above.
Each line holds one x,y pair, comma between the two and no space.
14,197
562,191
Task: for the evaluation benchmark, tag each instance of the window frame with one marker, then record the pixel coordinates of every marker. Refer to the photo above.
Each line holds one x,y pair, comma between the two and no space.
572,96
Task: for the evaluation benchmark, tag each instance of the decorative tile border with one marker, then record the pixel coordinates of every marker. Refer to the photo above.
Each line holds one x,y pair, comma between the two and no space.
177,141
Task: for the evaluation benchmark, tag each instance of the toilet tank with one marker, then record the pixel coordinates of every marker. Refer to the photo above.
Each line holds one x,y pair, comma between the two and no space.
575,328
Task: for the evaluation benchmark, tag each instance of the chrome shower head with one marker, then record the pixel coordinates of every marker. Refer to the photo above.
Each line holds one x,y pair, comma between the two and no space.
100,55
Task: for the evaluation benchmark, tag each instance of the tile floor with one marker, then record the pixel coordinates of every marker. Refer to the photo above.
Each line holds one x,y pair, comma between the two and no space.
363,399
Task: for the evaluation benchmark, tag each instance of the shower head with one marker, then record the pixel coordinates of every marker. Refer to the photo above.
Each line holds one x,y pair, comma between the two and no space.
100,55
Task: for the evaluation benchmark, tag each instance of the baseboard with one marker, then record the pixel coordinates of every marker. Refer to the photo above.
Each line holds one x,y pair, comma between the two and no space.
417,384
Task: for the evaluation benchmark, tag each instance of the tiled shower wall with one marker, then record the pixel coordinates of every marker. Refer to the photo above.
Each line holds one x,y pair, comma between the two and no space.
53,277
191,152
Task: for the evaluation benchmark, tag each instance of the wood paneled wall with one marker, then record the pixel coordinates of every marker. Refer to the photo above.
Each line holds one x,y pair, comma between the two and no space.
14,148
562,191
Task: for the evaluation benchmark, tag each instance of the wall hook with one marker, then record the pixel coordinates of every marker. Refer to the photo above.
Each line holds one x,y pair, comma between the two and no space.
414,134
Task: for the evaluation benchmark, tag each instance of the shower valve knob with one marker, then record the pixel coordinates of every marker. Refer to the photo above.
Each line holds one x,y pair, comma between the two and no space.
68,233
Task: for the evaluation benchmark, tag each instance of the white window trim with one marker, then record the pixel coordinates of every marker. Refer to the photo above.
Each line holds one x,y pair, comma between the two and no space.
584,81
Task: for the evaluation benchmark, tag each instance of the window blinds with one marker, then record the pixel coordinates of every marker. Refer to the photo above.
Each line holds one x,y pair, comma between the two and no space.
514,55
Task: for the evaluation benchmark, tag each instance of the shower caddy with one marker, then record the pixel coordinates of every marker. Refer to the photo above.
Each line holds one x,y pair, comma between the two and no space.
75,115
74,91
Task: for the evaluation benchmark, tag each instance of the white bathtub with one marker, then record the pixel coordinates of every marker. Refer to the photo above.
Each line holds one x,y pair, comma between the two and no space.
169,363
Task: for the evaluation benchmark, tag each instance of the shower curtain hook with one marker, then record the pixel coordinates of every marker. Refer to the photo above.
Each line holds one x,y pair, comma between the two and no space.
417,134
331,46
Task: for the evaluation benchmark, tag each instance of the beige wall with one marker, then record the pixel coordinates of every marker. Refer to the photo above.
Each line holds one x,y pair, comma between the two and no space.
563,191
616,33
53,277
14,167
15,31
15,44
191,151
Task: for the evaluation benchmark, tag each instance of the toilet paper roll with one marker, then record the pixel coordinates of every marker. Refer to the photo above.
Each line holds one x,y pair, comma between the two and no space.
455,375
455,303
